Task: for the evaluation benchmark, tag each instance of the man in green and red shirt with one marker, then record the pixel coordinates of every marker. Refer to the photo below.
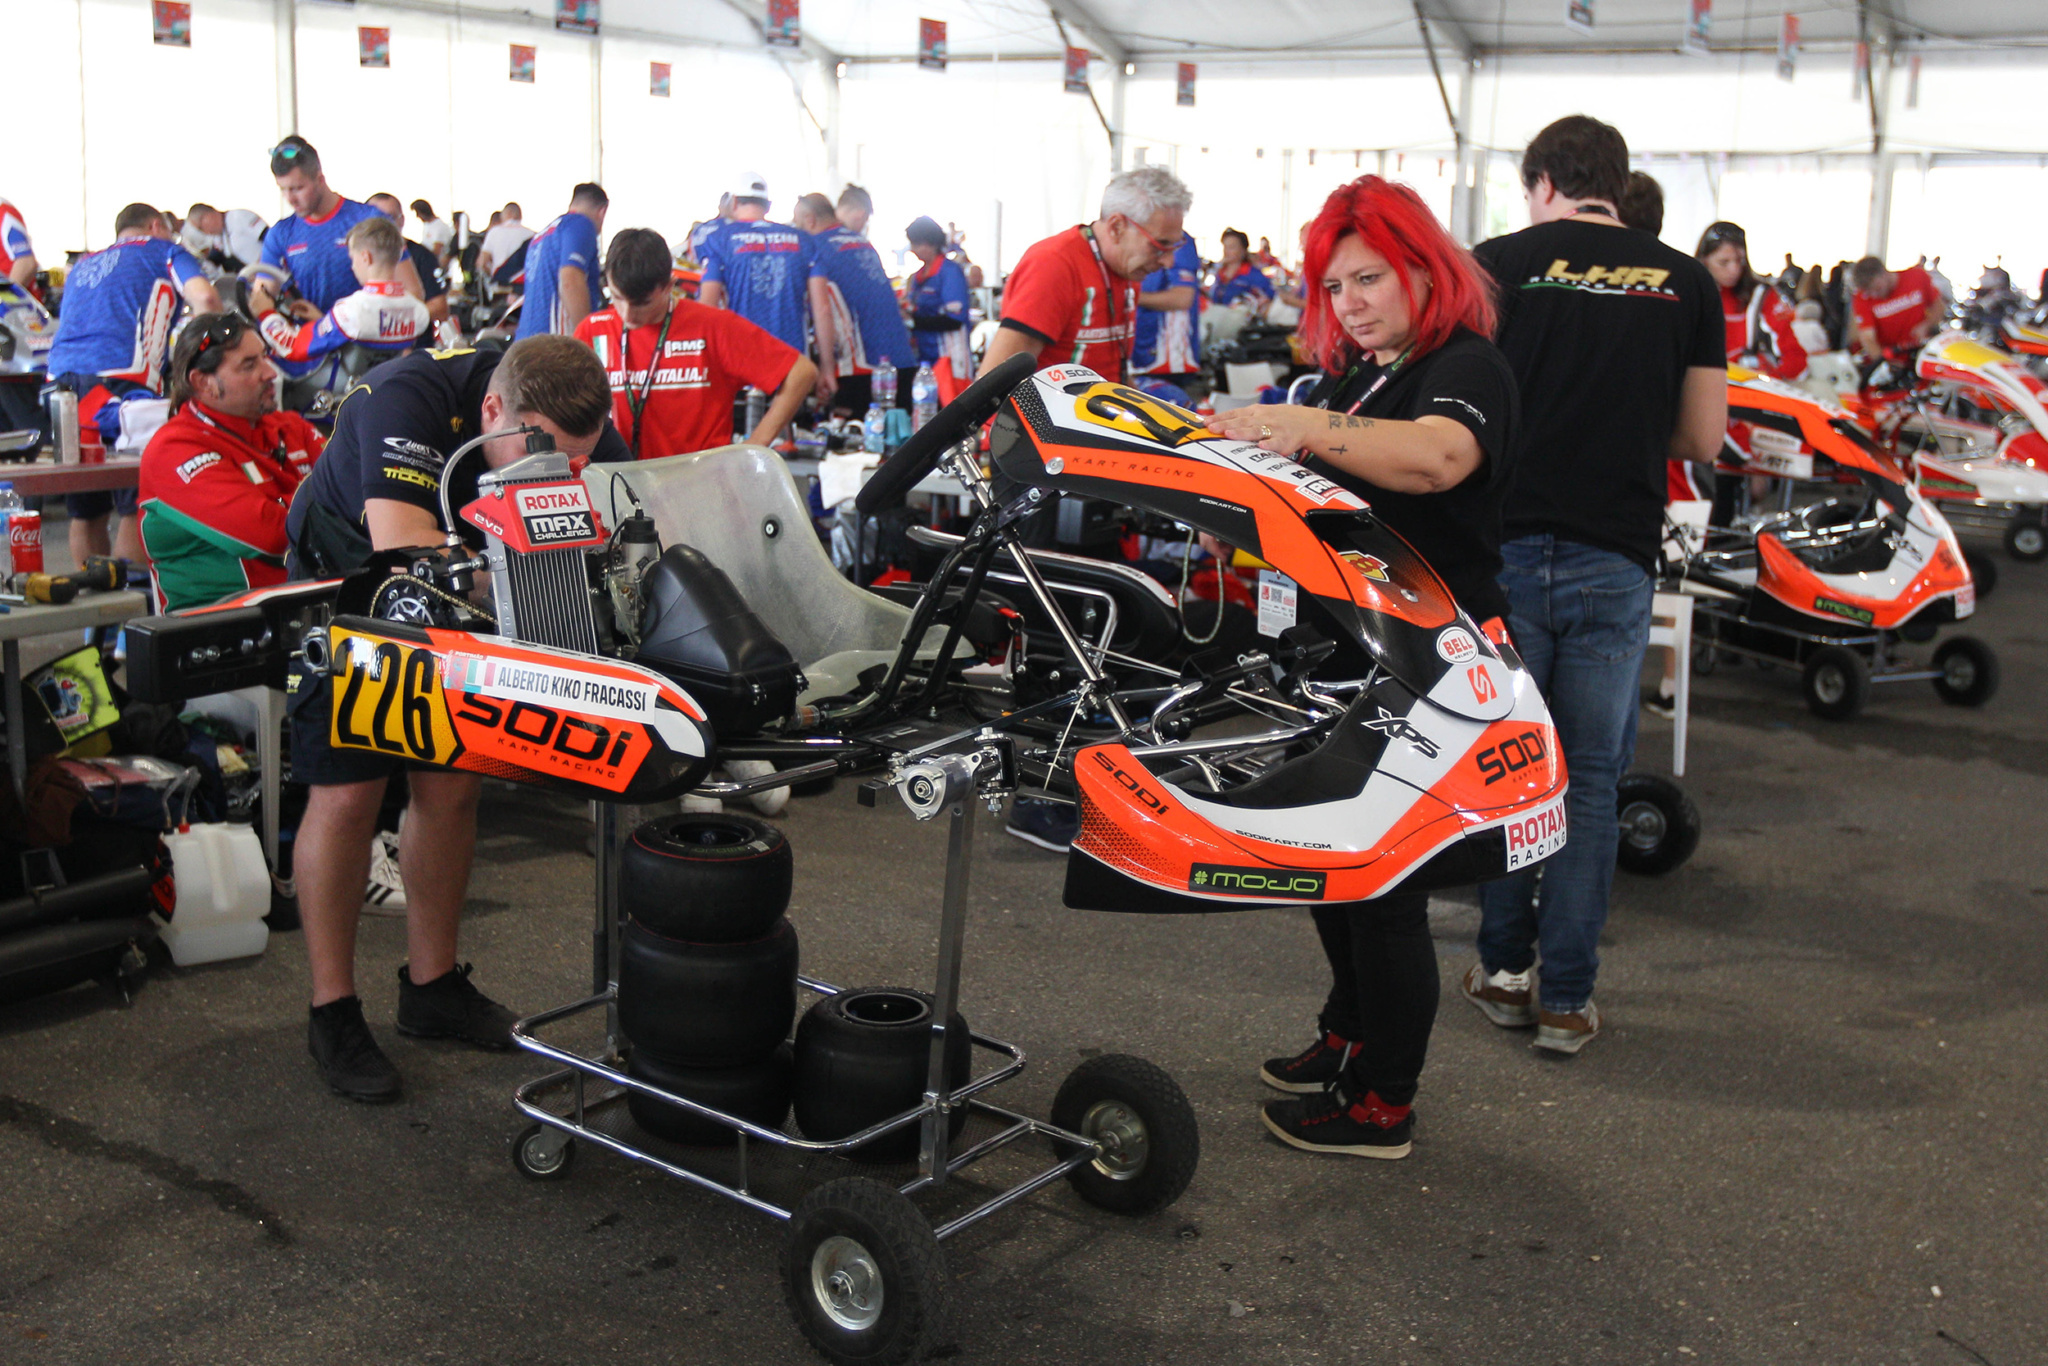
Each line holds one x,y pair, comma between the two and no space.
217,479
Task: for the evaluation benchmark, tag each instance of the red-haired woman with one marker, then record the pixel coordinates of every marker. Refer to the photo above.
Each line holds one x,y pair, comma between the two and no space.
1417,414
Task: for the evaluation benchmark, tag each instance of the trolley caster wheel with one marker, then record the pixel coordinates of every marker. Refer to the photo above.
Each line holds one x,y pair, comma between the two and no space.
1969,672
2026,541
862,1273
543,1153
1141,1117
1983,571
1837,683
1660,827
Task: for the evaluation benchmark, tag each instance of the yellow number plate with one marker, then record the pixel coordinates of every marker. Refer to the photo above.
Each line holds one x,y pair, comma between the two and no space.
388,698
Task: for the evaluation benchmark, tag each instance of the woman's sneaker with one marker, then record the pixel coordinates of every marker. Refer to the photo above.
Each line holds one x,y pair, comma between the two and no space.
1333,1122
386,893
1312,1069
1502,997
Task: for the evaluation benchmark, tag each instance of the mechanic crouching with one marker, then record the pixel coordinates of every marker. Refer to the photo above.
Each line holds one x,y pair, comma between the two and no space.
377,488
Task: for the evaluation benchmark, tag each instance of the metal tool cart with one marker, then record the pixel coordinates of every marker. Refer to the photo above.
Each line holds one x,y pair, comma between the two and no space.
861,1261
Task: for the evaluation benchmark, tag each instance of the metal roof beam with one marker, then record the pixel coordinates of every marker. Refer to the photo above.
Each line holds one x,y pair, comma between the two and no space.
1094,30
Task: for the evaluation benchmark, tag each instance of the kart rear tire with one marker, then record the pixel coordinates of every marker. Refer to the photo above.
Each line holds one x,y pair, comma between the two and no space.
2026,539
1156,1143
862,1273
707,1005
1660,826
758,1093
1969,672
1836,683
864,1056
1983,571
706,877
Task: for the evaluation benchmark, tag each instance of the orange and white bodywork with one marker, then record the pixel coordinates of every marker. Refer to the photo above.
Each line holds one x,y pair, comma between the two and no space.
1997,382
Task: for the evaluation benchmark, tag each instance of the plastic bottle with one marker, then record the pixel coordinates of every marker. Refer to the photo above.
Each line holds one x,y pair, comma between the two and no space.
874,429
885,386
924,397
10,503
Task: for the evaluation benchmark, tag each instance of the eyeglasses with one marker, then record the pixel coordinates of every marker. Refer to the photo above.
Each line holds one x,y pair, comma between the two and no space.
1159,248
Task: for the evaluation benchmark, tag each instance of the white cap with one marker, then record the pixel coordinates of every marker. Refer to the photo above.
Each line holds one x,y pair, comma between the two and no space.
750,185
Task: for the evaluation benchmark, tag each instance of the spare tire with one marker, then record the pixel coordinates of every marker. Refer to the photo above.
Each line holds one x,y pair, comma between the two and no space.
757,1093
863,1056
707,1005
707,877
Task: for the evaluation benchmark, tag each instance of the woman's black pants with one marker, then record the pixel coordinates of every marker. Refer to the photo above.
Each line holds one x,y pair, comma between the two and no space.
1383,993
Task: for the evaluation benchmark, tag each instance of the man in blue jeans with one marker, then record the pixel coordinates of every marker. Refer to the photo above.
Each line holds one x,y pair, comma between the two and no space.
1616,341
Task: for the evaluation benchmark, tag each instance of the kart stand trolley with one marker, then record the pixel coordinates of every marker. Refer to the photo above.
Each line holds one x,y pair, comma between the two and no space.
861,1264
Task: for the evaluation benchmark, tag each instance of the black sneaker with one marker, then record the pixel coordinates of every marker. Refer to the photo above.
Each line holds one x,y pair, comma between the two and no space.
1312,1069
1047,824
1335,1123
450,1007
347,1054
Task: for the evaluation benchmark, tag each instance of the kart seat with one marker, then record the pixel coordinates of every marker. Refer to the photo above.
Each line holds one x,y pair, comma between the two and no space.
1147,624
739,506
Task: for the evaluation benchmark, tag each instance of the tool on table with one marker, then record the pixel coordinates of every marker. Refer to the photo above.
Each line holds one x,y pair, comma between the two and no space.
32,587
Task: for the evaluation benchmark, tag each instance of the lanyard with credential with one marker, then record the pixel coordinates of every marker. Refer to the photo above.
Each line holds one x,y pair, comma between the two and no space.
1108,295
1380,382
637,401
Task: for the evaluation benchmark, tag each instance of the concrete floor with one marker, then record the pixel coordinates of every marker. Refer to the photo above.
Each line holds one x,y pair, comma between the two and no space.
1812,1130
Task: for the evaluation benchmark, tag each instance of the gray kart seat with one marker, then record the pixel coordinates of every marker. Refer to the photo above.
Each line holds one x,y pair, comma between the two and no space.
739,506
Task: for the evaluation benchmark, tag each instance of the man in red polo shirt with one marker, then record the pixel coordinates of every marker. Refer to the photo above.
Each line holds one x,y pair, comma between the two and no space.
1072,299
681,400
1895,310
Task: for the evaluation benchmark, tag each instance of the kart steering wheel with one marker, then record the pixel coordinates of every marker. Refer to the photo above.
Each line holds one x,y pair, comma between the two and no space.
275,278
917,457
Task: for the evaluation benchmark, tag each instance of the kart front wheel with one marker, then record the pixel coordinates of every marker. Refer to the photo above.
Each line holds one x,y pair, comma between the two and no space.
1836,683
1660,826
1983,571
2027,541
1969,672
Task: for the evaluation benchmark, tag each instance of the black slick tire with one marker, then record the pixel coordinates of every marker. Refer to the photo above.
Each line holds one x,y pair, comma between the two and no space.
705,877
864,1056
1660,826
862,1274
757,1093
1969,672
1152,1142
1836,683
1984,571
707,1005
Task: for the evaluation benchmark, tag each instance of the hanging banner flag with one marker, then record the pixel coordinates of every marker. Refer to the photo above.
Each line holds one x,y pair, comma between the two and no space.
931,44
1184,86
1913,82
1859,70
657,79
1788,47
373,47
1578,14
171,23
1077,71
1699,29
577,16
522,63
784,28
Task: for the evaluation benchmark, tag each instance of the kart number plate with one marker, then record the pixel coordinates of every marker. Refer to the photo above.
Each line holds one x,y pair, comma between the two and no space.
1966,600
1537,835
388,698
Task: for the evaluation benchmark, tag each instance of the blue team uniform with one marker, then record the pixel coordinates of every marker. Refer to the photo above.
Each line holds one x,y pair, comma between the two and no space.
570,240
316,254
1169,343
1250,280
867,324
766,270
118,307
939,291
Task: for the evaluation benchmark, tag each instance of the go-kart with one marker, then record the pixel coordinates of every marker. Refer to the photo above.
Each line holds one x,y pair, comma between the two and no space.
314,390
1836,585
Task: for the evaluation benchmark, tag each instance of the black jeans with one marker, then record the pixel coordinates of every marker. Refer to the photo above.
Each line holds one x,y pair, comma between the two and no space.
1383,992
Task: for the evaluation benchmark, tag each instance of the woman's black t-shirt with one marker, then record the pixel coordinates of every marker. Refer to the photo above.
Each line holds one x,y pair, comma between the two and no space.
1458,530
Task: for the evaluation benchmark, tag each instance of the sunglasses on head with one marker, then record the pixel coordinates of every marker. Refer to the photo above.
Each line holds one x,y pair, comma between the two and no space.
287,150
1726,233
219,332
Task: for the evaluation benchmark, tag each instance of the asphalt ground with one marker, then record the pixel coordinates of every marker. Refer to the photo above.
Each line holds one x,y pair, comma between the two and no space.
1810,1131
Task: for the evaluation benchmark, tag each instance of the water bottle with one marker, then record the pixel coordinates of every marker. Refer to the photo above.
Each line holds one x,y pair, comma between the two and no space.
924,397
885,386
10,503
874,429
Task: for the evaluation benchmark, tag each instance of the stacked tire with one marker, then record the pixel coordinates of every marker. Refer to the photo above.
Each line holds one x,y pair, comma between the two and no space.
707,972
864,1056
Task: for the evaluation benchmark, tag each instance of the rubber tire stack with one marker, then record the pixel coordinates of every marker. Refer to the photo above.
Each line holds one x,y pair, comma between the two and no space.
707,972
865,1055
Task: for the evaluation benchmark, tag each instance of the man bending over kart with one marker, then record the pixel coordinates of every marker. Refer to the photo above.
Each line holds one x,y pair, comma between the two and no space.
377,488
381,315
1896,311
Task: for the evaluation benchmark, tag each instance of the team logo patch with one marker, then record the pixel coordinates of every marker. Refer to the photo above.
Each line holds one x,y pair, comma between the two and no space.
1536,836
559,512
1221,879
1847,611
1371,566
1455,645
198,463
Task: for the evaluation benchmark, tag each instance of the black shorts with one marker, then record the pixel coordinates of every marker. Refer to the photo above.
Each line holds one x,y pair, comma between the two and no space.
308,702
85,506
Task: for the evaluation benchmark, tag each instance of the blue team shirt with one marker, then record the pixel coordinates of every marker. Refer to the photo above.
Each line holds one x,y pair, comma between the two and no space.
864,298
570,240
107,298
1166,344
941,294
766,270
317,253
1250,280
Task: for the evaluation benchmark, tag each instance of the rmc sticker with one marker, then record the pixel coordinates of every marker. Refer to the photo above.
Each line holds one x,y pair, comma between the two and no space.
1537,835
1277,603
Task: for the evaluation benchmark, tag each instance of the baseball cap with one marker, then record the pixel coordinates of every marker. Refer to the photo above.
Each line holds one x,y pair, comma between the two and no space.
752,185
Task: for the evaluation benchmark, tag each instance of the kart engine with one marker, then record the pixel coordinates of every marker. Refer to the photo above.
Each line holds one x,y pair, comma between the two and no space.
539,528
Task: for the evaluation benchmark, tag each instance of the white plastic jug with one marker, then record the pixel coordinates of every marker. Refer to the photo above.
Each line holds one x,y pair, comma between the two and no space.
222,893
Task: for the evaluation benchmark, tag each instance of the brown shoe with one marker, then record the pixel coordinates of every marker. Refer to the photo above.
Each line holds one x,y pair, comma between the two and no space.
1502,997
1567,1032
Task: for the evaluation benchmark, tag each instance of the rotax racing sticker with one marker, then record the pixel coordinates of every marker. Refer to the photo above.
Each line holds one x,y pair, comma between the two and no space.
1537,835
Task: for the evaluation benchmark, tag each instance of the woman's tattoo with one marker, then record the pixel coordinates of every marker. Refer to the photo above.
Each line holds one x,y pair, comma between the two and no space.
1348,422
